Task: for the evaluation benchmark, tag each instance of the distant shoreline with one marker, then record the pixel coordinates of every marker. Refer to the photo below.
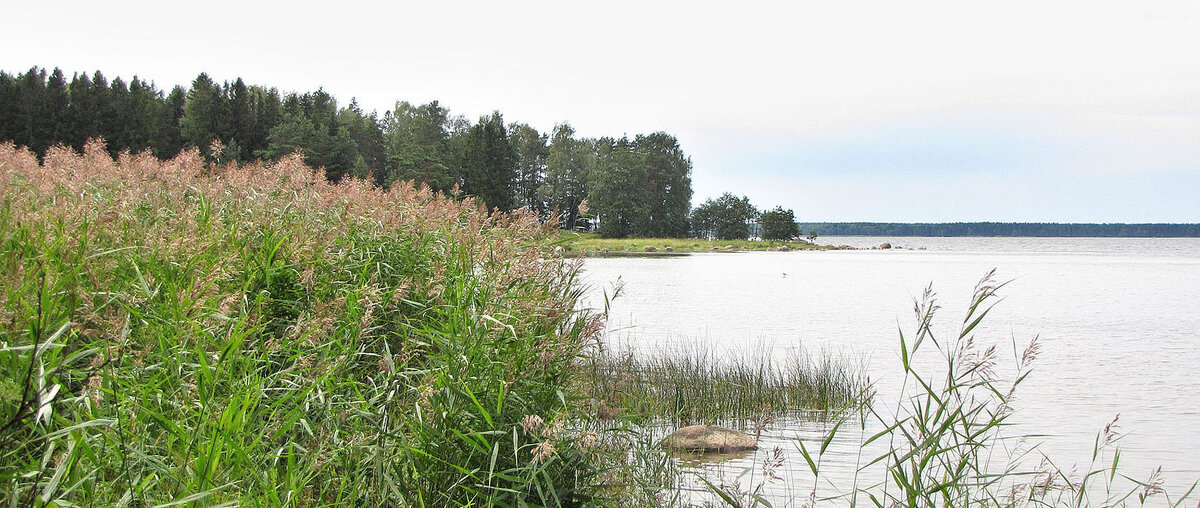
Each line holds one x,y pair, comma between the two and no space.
1003,229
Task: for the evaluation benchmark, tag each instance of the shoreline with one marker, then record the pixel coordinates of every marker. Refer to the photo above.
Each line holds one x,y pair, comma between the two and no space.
590,244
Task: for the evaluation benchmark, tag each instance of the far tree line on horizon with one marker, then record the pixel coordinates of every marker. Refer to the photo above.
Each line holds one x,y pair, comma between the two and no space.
633,187
639,186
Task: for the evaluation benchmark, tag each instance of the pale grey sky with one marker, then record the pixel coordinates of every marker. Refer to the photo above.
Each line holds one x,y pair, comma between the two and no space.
1070,111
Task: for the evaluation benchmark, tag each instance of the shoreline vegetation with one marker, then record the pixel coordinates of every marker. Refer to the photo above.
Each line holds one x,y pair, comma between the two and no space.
221,334
592,244
213,334
184,331
695,386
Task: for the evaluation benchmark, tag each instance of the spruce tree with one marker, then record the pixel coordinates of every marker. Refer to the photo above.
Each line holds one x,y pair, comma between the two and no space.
84,113
266,109
58,102
489,163
8,106
241,119
204,114
32,129
168,140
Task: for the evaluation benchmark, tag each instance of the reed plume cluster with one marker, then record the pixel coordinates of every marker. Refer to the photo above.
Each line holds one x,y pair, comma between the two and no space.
181,332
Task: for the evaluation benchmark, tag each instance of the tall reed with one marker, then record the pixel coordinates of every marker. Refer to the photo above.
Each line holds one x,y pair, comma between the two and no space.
173,332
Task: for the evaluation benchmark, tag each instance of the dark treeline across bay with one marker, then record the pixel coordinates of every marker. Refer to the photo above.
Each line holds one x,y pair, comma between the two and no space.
1042,229
639,186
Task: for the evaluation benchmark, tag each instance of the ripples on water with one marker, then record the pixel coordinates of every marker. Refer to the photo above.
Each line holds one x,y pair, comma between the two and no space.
1118,320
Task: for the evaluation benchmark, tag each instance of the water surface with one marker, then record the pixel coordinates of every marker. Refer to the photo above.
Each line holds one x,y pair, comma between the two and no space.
1118,319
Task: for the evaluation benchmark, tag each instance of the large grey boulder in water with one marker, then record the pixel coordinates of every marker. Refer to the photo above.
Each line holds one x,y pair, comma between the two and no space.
708,438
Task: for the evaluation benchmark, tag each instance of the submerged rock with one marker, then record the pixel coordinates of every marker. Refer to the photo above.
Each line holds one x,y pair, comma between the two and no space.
709,438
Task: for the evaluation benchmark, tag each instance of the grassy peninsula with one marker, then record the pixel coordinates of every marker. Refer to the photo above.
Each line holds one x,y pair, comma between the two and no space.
593,244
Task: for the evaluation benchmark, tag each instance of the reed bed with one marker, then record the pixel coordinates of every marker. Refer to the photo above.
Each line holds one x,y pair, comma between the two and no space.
695,386
173,332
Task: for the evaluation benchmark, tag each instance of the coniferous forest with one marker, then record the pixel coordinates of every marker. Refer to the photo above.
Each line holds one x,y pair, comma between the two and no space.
639,186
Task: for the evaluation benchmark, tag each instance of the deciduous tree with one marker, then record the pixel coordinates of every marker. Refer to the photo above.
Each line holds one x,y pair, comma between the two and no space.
779,224
725,218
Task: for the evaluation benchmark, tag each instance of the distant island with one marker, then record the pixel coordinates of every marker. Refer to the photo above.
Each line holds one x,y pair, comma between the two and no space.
1042,229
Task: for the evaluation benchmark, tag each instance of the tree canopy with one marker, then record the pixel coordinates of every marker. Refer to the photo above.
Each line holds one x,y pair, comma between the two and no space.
639,186
725,218
778,224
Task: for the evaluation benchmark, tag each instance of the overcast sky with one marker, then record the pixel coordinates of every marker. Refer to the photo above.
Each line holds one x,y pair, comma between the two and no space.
1067,111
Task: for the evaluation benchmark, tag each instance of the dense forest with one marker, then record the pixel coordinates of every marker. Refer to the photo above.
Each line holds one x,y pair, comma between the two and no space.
639,186
1044,229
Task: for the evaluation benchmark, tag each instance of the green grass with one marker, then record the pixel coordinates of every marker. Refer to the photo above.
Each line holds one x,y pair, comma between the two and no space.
696,387
593,244
172,332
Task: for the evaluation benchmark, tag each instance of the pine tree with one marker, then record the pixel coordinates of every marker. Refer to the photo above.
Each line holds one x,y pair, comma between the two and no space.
531,152
367,134
418,146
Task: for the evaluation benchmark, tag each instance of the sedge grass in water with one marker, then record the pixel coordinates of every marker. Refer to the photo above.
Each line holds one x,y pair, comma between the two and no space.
696,387
177,333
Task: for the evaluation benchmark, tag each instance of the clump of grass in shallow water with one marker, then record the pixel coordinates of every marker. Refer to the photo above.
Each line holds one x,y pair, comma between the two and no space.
696,386
172,331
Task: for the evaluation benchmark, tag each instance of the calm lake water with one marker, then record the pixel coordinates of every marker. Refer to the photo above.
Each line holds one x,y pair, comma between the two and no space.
1118,320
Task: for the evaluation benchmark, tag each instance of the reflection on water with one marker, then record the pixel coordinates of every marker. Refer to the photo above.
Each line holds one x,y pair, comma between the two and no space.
1117,319
700,459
